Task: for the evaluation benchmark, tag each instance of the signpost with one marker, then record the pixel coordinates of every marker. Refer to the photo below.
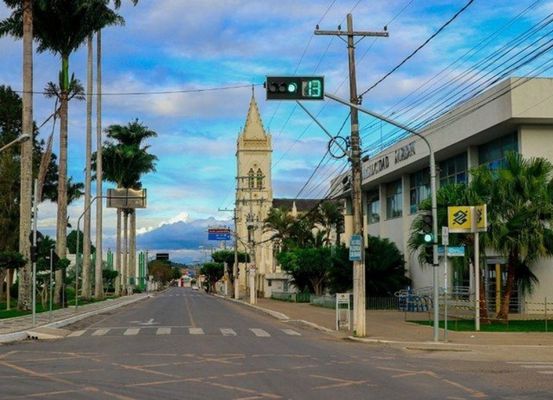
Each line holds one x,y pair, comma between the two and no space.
343,305
470,219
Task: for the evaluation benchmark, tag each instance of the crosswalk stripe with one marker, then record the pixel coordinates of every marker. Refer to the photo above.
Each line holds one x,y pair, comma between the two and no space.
228,332
100,332
76,333
163,331
259,332
131,331
291,332
196,331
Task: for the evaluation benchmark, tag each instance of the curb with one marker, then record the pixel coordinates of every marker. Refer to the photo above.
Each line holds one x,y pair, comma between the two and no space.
22,335
278,315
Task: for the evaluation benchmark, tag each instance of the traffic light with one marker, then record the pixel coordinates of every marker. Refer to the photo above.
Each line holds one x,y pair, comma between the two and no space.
295,88
427,228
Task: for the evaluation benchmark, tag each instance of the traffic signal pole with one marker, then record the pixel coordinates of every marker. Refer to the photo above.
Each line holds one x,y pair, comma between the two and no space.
435,263
359,313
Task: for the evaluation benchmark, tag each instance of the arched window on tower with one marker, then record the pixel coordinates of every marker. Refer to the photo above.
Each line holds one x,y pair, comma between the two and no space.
250,178
259,179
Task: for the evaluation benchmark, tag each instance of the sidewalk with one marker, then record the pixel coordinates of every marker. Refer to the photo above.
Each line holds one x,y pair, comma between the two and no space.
390,327
12,329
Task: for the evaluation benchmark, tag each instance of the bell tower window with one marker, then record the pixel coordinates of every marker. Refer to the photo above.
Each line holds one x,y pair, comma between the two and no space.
259,179
250,179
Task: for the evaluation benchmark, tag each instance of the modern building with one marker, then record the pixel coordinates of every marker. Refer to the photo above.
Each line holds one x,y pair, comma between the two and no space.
516,114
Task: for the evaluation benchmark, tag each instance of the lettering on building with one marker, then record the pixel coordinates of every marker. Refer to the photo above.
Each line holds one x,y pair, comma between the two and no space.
376,167
404,152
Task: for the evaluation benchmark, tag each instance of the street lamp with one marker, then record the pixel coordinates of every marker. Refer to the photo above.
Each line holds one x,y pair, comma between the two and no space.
435,263
21,138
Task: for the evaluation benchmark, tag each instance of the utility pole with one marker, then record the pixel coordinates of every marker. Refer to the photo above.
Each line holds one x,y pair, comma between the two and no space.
236,288
359,324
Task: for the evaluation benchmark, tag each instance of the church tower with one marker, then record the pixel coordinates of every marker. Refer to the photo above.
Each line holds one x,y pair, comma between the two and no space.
254,197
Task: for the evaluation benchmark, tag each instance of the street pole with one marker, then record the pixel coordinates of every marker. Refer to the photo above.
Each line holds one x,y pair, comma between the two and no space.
35,220
433,199
359,313
51,286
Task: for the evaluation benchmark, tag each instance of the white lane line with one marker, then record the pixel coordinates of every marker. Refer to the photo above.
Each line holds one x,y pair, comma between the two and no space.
163,331
537,366
545,372
291,332
531,362
100,332
228,332
259,332
76,333
196,331
131,331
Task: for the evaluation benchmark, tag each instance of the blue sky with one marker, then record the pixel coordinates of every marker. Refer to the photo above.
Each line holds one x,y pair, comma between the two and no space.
175,45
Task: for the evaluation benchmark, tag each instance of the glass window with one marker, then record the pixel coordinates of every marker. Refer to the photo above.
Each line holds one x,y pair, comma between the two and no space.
250,179
373,207
419,189
493,153
259,179
454,170
393,200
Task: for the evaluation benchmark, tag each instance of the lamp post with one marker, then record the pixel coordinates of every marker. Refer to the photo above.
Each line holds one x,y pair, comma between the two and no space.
435,263
21,138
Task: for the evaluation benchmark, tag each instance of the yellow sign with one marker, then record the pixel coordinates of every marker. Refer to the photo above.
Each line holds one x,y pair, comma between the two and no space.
481,218
466,219
459,219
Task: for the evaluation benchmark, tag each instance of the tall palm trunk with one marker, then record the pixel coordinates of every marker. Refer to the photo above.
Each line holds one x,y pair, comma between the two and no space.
503,313
61,223
118,255
24,295
99,284
124,275
132,247
87,195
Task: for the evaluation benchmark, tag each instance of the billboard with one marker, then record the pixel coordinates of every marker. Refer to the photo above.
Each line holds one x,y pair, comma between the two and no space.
218,233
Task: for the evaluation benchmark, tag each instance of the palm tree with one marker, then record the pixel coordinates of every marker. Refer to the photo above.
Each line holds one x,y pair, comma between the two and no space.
520,215
98,286
61,26
124,163
328,215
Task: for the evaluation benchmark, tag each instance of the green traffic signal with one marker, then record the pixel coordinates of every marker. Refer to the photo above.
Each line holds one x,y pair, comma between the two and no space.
428,238
292,87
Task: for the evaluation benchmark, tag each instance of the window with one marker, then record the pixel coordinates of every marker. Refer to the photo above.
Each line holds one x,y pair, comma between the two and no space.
373,207
250,179
393,200
454,170
493,153
419,189
259,179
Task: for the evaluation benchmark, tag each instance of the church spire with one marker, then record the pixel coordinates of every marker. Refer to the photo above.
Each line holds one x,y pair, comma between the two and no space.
253,129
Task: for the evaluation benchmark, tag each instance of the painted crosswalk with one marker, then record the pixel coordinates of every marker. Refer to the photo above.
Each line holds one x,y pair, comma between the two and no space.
540,367
183,330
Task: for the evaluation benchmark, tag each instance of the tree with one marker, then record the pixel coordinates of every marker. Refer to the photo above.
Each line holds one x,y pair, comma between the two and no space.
125,161
61,26
226,257
520,216
160,270
308,267
328,216
11,126
213,272
384,268
9,260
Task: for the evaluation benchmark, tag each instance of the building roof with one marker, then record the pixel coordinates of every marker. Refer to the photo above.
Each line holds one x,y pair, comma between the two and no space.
253,129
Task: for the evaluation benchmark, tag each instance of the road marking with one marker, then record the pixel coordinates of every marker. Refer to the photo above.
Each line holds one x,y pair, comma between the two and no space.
76,333
228,332
545,372
259,332
196,331
100,332
291,332
163,331
131,331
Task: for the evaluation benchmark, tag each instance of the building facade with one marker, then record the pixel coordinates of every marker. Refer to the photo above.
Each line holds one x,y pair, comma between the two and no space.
515,115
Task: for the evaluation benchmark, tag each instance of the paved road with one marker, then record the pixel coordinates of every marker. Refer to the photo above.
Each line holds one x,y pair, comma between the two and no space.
183,344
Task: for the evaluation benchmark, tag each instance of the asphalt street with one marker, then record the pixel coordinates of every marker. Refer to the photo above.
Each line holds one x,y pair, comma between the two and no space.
185,344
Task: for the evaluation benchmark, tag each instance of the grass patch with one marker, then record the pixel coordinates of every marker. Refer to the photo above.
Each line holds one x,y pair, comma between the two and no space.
534,325
14,312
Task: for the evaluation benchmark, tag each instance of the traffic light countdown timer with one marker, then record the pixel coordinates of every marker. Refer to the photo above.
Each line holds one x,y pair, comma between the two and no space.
295,88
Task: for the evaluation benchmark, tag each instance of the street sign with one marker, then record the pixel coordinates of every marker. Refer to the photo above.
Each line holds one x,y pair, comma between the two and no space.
452,251
126,198
343,311
218,233
355,248
445,235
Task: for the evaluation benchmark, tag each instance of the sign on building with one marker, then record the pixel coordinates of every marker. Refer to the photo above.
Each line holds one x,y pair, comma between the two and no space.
466,219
